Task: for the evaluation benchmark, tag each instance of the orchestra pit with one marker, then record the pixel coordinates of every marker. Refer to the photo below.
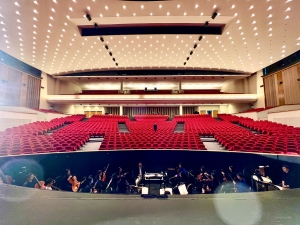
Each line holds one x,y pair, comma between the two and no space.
149,112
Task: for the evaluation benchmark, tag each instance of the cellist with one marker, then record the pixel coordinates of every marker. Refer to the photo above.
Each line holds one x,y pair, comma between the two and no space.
99,182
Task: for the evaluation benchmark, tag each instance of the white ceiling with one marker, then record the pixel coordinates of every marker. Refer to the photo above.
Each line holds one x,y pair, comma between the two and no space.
41,33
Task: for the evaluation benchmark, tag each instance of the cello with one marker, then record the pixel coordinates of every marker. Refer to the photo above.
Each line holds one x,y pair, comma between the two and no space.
39,184
75,183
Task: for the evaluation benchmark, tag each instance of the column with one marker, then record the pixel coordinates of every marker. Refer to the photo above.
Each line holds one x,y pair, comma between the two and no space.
180,110
121,110
179,87
121,87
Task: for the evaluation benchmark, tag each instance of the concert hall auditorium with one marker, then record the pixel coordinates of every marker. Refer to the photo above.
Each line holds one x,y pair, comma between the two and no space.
149,112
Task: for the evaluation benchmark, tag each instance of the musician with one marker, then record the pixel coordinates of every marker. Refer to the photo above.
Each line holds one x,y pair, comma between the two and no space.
203,179
87,185
288,179
48,184
99,184
138,174
182,174
30,181
240,183
66,185
122,183
207,189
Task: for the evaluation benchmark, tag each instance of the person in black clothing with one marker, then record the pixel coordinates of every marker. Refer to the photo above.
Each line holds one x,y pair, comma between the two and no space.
288,179
98,183
122,183
155,127
87,185
66,185
30,182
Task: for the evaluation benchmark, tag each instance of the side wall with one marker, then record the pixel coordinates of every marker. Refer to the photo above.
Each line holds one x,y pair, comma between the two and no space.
13,119
234,86
18,88
238,107
283,87
291,118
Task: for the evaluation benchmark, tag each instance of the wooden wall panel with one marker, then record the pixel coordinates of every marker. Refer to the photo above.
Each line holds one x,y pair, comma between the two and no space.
291,85
18,88
288,92
280,88
23,92
271,94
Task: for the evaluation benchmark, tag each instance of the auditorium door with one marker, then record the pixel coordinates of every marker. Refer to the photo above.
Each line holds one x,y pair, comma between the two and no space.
215,113
87,114
202,112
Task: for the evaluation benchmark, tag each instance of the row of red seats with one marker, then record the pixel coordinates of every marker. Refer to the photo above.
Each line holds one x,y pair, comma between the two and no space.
275,138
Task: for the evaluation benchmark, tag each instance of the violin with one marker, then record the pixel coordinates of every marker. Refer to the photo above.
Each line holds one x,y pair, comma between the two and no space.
103,179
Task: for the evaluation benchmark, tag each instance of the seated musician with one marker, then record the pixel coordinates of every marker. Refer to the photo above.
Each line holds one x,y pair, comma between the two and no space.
99,183
66,185
207,189
138,174
182,174
122,183
48,184
31,181
288,179
240,184
87,185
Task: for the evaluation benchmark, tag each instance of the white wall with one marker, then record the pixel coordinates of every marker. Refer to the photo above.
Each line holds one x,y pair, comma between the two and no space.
223,109
251,115
260,103
44,92
208,107
10,119
65,109
68,88
291,118
51,85
237,107
264,114
233,86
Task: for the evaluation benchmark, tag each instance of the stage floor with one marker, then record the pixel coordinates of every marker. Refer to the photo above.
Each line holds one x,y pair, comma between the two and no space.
20,205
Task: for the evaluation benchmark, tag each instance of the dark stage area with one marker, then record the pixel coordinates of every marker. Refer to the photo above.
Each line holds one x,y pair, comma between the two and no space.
88,163
24,206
